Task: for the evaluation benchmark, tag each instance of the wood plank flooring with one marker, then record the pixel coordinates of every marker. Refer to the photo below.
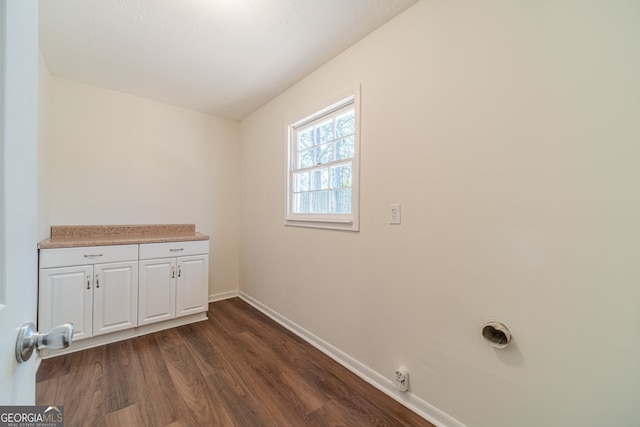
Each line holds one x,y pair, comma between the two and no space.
238,368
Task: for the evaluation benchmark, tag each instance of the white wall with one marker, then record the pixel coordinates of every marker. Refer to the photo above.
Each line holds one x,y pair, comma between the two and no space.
510,132
119,159
44,166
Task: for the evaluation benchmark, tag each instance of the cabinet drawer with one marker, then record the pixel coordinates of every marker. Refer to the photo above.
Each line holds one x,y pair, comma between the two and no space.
62,257
173,249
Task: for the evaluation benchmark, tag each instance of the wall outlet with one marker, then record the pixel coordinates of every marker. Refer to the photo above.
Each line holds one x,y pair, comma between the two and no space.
401,379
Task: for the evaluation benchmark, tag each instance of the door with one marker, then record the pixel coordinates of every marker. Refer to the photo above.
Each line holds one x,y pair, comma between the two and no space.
157,290
192,287
66,295
18,192
115,297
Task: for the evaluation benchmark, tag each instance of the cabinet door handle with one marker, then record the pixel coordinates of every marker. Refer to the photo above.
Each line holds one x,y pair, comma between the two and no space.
97,281
176,250
92,255
173,272
179,271
88,282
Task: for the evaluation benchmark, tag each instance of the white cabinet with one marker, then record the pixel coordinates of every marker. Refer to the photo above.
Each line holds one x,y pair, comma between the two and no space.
115,297
66,295
95,288
192,286
173,280
117,292
157,290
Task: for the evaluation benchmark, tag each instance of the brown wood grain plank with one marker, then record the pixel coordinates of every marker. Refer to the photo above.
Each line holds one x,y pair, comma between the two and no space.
198,400
267,364
163,406
238,368
122,364
203,346
129,416
81,390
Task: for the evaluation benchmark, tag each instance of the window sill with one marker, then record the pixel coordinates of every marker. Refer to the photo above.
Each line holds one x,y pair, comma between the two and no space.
346,225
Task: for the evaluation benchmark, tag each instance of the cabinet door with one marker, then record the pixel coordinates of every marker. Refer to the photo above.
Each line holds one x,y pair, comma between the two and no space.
157,290
115,297
192,287
65,295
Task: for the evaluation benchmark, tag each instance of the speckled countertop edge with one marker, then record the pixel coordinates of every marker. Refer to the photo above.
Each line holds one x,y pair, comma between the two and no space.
70,236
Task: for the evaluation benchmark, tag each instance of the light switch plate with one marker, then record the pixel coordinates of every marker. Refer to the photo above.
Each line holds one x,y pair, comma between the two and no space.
394,213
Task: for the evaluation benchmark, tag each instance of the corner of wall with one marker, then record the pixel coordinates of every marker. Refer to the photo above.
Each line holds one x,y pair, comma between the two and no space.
44,190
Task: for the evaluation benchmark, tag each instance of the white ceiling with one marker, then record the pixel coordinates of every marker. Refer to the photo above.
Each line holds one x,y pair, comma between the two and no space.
223,57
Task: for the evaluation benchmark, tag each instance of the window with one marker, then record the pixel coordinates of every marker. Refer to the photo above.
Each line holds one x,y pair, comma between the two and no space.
323,167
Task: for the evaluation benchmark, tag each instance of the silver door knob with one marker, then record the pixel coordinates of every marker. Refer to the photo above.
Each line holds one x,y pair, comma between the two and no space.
29,339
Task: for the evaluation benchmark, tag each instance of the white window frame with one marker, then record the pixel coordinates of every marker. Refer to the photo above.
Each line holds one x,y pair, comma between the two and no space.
349,222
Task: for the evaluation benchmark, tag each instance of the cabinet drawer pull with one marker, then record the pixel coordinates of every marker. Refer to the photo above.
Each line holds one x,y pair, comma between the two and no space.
92,255
176,250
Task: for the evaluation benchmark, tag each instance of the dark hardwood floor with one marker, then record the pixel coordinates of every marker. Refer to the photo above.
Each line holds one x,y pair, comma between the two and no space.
239,368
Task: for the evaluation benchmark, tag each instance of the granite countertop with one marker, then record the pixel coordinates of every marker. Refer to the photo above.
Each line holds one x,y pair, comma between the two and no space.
70,236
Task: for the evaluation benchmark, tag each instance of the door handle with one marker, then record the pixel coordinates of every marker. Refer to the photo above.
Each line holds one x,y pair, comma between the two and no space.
29,339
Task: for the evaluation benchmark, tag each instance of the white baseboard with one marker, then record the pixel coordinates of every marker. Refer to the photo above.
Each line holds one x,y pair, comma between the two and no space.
223,295
382,383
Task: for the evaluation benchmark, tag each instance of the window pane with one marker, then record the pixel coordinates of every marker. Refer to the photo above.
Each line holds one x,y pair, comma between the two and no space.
341,176
341,201
320,202
320,179
305,158
345,148
324,153
345,124
323,160
324,131
305,138
301,203
301,182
